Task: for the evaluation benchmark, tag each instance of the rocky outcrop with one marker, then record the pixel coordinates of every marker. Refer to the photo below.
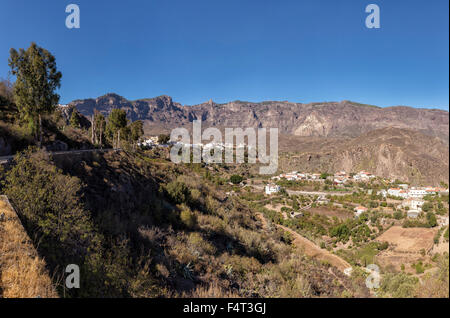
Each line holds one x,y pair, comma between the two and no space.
66,113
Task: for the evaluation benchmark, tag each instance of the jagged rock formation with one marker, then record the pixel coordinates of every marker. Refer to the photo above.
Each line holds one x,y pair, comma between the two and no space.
331,119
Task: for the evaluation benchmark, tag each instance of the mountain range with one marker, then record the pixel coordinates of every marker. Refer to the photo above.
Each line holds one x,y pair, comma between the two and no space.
328,119
399,141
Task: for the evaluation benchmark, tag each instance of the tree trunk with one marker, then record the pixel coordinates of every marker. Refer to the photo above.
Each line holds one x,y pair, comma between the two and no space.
101,136
40,131
93,130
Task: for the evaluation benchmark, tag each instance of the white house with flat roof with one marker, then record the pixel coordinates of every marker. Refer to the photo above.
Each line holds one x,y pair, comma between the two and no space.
272,188
394,192
414,204
417,193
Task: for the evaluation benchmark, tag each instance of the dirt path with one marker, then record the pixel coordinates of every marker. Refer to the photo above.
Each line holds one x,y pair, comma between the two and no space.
311,249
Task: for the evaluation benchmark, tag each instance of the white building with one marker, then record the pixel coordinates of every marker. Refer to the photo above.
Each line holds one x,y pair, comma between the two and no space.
149,142
213,145
272,188
364,175
360,210
322,200
431,190
394,192
417,193
291,176
340,180
413,204
340,174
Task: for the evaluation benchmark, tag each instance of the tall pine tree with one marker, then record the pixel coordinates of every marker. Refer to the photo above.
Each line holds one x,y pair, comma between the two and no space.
37,79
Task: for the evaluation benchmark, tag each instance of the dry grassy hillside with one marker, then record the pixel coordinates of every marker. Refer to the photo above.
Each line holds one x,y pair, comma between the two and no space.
23,272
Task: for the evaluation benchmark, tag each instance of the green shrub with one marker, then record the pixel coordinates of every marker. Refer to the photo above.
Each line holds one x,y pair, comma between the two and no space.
398,215
398,285
287,237
178,192
163,139
50,205
236,179
431,217
195,194
188,218
419,268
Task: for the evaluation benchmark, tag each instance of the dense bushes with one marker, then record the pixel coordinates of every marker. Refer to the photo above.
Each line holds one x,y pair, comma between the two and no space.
48,202
398,285
341,232
178,192
430,221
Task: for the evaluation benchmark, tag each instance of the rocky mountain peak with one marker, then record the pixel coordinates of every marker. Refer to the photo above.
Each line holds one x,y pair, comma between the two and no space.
324,119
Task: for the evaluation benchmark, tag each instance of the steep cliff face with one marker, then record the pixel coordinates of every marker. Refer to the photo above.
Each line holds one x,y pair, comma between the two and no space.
336,119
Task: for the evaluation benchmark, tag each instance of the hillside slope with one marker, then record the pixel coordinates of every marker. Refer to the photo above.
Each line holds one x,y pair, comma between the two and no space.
389,152
140,226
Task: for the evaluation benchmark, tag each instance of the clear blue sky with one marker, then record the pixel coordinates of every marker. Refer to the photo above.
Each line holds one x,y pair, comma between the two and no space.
255,50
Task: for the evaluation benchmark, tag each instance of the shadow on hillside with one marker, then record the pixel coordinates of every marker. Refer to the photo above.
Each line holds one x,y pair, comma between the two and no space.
15,140
124,199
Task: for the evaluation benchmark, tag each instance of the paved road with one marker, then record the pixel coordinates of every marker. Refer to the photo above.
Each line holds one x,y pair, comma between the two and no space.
5,159
308,192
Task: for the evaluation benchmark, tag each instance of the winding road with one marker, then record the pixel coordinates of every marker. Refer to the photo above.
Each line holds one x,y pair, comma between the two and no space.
6,159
